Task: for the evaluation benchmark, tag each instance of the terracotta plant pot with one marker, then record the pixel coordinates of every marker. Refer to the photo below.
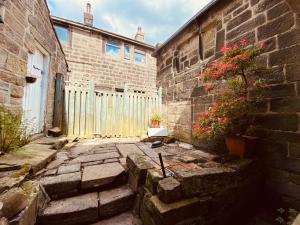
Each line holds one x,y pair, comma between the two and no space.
242,146
155,123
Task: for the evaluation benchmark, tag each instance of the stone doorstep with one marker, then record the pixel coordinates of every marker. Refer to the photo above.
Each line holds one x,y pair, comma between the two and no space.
81,209
101,175
61,183
115,201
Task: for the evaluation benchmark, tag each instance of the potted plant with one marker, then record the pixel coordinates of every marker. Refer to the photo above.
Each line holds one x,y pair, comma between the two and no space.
238,83
155,121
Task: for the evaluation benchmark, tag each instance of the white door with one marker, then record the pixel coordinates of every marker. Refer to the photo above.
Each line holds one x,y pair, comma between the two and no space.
34,103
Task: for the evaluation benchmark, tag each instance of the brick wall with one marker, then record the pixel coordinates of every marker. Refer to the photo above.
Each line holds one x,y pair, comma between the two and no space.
276,22
87,61
26,24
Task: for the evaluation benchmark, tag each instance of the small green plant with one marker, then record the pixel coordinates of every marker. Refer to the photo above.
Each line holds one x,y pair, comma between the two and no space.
13,132
286,217
156,117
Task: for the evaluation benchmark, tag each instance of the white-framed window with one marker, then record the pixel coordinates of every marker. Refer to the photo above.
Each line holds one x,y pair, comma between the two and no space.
112,48
127,52
63,34
139,56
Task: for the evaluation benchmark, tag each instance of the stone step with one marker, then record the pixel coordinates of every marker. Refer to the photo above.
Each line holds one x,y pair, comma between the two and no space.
81,209
88,208
91,178
115,201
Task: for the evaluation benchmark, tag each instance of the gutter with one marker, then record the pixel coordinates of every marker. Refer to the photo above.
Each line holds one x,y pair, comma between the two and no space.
181,29
62,21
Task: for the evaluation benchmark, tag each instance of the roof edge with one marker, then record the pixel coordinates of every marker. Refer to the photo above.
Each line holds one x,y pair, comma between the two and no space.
184,26
83,26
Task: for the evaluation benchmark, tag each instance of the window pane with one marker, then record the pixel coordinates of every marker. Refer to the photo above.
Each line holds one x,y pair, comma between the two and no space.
138,57
116,44
127,52
62,33
110,50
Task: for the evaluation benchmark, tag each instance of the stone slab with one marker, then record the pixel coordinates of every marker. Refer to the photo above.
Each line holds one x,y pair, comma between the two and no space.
123,219
70,211
169,190
100,175
12,202
95,157
128,149
72,168
61,183
115,201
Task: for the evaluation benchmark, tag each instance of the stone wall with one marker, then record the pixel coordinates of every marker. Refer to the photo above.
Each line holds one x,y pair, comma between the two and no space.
87,60
26,24
275,22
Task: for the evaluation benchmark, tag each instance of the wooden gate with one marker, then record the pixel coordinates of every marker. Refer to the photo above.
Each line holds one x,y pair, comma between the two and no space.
94,113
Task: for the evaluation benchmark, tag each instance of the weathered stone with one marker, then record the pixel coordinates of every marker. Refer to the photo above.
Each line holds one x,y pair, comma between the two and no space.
169,190
245,27
62,183
205,180
55,132
287,121
81,209
14,201
285,56
294,150
277,26
293,72
278,10
265,5
100,175
173,213
56,163
92,163
69,168
137,166
62,155
124,219
127,149
239,20
285,105
153,176
115,201
95,157
240,9
50,172
279,91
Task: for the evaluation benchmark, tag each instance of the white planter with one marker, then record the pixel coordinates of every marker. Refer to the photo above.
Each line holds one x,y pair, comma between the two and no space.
157,132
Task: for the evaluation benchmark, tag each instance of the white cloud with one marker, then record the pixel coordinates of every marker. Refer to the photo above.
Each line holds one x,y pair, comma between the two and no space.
158,18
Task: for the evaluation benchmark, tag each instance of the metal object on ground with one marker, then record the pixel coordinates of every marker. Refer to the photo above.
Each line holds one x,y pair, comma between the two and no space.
162,165
157,144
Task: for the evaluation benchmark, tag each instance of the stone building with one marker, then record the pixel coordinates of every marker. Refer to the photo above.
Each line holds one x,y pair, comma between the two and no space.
30,58
182,57
109,59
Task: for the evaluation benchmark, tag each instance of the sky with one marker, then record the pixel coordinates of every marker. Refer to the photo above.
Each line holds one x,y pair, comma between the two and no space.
159,19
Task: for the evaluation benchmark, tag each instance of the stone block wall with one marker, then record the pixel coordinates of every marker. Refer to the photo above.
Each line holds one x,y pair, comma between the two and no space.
26,24
87,60
181,60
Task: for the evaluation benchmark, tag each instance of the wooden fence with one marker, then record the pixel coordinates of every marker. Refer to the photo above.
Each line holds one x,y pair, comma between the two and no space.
95,113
